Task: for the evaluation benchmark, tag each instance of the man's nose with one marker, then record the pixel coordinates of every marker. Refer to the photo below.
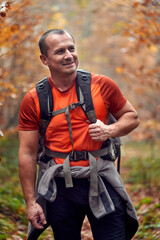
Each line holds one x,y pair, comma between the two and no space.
68,54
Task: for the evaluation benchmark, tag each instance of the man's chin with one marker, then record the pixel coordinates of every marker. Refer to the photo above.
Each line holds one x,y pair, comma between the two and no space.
70,70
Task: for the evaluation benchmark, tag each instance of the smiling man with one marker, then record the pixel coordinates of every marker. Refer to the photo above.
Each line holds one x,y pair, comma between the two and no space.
69,133
61,58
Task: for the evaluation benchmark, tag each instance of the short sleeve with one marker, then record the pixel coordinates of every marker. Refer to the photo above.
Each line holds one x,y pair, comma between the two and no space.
28,119
112,95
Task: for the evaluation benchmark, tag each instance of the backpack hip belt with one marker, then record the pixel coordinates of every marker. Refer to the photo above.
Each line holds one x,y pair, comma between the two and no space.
83,155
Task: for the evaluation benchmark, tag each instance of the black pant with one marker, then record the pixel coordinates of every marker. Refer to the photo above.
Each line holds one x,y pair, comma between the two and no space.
67,212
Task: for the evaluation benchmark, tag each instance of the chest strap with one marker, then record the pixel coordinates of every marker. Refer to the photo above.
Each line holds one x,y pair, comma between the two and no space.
66,111
63,110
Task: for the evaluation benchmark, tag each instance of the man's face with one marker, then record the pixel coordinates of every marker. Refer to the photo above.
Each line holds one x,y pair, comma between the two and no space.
61,56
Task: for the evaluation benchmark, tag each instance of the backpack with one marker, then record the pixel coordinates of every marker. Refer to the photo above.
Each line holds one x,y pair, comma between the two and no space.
83,89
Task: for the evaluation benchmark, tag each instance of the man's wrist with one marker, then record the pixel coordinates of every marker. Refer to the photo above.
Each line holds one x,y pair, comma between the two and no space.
108,131
30,202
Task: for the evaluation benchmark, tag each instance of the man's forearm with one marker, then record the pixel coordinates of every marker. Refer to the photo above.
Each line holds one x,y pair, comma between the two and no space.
125,124
27,174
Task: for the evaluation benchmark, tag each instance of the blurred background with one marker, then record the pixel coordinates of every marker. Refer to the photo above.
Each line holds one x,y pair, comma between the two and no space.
117,38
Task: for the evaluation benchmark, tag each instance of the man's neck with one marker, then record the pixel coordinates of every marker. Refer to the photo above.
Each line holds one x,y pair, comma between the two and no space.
63,82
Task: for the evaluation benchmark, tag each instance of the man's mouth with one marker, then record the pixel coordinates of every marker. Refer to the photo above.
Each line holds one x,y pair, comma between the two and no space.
68,63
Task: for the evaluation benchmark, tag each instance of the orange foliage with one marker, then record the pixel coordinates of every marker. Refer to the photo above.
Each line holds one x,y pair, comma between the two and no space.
4,8
20,28
16,30
124,37
144,26
116,38
142,67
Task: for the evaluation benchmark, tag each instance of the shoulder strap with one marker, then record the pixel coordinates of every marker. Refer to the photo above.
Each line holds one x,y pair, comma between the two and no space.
45,98
46,106
83,88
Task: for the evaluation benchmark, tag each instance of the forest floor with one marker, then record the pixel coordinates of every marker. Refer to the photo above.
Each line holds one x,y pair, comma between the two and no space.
147,204
13,221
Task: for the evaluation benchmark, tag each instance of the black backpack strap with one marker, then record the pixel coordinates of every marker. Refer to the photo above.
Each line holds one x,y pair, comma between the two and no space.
83,88
46,107
45,98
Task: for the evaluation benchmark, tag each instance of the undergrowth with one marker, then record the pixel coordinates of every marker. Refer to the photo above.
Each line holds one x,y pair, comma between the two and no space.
141,171
142,161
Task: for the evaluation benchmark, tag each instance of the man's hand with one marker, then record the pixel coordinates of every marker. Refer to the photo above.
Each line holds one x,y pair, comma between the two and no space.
127,120
99,131
35,215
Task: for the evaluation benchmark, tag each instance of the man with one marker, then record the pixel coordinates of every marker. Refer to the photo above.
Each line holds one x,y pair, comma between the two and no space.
66,213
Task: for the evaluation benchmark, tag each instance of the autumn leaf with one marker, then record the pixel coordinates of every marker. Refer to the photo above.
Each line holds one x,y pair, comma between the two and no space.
135,4
119,70
14,27
3,14
8,5
4,8
153,48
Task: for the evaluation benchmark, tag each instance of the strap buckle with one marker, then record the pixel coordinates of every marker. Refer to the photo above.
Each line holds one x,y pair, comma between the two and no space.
72,106
75,105
50,115
78,155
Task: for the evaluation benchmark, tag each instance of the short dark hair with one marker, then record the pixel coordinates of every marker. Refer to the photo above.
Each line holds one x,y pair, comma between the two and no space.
42,44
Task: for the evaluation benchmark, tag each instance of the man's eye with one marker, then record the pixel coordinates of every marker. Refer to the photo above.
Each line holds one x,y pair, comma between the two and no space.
72,49
60,51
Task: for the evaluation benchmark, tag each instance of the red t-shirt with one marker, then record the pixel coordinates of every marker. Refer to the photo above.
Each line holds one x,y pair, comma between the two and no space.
106,97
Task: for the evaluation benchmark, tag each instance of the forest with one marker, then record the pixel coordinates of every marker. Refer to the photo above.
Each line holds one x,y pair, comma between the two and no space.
116,38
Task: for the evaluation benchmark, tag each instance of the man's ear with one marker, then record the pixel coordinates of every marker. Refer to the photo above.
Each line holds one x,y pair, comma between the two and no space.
44,59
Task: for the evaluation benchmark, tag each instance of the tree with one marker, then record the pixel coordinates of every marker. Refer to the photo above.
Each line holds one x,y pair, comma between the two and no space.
16,27
20,29
116,38
141,64
123,38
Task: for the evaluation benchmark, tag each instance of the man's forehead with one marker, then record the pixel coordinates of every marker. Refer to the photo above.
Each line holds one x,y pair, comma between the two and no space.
56,38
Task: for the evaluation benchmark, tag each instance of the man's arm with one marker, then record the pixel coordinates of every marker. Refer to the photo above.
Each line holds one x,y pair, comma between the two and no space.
127,120
27,173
